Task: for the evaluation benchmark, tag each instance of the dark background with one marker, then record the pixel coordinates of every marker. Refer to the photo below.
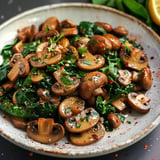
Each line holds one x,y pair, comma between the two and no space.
146,149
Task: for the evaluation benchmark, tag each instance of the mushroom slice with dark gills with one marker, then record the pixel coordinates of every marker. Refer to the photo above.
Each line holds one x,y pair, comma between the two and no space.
68,28
82,121
44,130
90,62
20,67
134,58
125,77
71,106
65,84
88,137
138,102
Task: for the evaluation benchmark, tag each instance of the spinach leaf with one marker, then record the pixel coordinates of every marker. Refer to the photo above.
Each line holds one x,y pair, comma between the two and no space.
30,48
66,80
4,70
89,29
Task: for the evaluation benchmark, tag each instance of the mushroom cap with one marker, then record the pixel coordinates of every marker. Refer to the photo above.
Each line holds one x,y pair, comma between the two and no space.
125,77
88,137
116,44
81,42
135,59
106,26
120,31
82,121
138,102
91,82
45,131
90,62
99,45
71,106
114,120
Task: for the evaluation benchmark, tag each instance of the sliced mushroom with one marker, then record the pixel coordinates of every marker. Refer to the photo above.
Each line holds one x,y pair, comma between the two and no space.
50,23
8,85
143,78
19,122
45,95
120,31
88,137
27,33
70,53
106,26
135,58
82,121
14,100
20,67
18,47
64,42
35,77
81,42
65,84
68,28
138,102
114,120
125,77
28,57
46,35
90,62
71,106
91,82
116,44
99,44
45,131
120,103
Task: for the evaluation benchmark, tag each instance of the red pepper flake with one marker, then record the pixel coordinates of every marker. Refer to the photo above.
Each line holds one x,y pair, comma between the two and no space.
7,102
145,146
82,30
151,57
153,159
48,38
111,82
129,39
135,123
95,136
31,154
9,105
62,67
116,155
117,65
23,107
42,71
126,64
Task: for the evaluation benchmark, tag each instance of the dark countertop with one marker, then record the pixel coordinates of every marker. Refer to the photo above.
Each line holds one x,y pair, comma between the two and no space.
146,149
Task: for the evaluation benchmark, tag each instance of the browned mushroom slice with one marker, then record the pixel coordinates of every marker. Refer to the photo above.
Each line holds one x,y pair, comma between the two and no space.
138,102
68,28
71,106
106,26
50,23
64,42
82,121
135,58
27,33
120,31
81,42
91,82
70,53
99,44
19,122
116,44
41,47
37,62
125,77
45,35
30,56
18,47
120,104
114,120
20,67
88,137
143,78
14,100
8,85
90,62
45,131
35,77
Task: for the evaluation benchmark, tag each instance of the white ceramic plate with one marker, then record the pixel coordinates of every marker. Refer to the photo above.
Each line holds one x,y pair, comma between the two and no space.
126,134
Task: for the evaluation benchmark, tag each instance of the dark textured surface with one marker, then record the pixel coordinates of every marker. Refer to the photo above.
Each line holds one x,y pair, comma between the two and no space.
146,149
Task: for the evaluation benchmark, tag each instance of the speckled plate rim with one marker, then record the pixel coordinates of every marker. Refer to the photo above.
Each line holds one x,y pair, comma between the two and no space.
94,153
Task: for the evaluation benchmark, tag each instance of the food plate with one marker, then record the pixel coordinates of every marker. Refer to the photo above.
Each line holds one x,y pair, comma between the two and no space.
126,134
